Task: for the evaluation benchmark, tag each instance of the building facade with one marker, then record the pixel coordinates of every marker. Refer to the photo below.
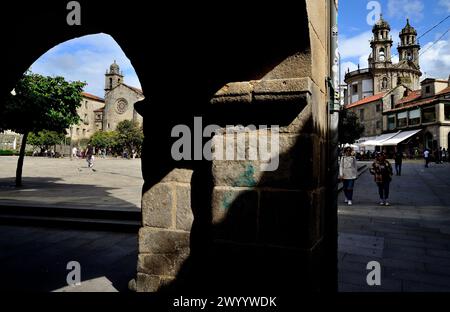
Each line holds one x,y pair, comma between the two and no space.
98,113
369,113
382,74
427,110
87,125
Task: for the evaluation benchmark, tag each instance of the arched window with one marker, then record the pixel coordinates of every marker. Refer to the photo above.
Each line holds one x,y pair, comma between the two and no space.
382,55
409,56
110,83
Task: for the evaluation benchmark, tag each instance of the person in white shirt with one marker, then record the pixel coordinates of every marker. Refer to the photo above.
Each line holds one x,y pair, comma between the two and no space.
426,155
348,173
74,152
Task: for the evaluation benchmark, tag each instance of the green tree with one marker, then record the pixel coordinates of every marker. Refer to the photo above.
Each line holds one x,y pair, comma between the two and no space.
40,103
45,138
129,136
350,129
104,139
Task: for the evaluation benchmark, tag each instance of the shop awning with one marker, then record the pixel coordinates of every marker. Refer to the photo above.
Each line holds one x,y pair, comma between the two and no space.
378,141
400,137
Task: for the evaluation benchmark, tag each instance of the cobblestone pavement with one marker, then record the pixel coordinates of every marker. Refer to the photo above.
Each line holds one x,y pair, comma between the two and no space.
35,259
410,239
115,183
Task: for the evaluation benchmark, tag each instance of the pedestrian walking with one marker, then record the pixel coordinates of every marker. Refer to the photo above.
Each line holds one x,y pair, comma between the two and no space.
382,170
75,152
398,162
426,155
348,173
90,156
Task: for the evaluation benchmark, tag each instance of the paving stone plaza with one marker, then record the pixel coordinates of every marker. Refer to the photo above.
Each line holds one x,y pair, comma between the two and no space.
410,239
115,183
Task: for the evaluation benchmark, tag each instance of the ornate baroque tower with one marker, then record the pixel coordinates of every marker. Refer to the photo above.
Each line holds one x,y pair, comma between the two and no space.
408,48
113,78
381,45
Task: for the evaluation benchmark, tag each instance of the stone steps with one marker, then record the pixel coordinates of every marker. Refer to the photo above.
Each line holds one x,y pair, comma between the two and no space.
79,218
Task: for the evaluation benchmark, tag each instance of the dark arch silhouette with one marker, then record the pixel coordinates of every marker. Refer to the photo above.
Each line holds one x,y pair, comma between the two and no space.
182,53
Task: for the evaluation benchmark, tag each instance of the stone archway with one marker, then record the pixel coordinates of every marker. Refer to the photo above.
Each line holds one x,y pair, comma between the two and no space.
271,65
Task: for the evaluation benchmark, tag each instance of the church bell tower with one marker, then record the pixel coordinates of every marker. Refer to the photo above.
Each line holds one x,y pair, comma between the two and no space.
381,44
113,77
408,48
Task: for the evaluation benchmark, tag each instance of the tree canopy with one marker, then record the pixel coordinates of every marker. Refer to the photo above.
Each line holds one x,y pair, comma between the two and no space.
129,136
350,129
104,139
45,138
40,103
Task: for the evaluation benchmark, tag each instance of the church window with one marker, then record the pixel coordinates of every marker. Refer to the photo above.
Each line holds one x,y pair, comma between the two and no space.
110,83
121,106
86,104
382,55
427,89
392,101
355,89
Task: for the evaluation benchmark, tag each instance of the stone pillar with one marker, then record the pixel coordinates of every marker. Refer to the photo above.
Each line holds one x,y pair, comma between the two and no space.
259,230
164,237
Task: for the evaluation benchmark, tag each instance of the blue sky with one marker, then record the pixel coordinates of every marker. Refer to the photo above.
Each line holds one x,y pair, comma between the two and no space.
355,31
86,59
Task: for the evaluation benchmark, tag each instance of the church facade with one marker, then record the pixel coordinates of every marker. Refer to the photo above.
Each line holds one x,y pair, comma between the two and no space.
382,74
98,113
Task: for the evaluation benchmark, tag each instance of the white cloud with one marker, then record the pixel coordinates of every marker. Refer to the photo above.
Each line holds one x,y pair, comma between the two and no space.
435,62
86,59
445,4
355,46
414,9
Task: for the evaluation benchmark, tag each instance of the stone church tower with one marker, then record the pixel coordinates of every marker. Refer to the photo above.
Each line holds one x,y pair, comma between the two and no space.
408,49
119,99
381,45
113,78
